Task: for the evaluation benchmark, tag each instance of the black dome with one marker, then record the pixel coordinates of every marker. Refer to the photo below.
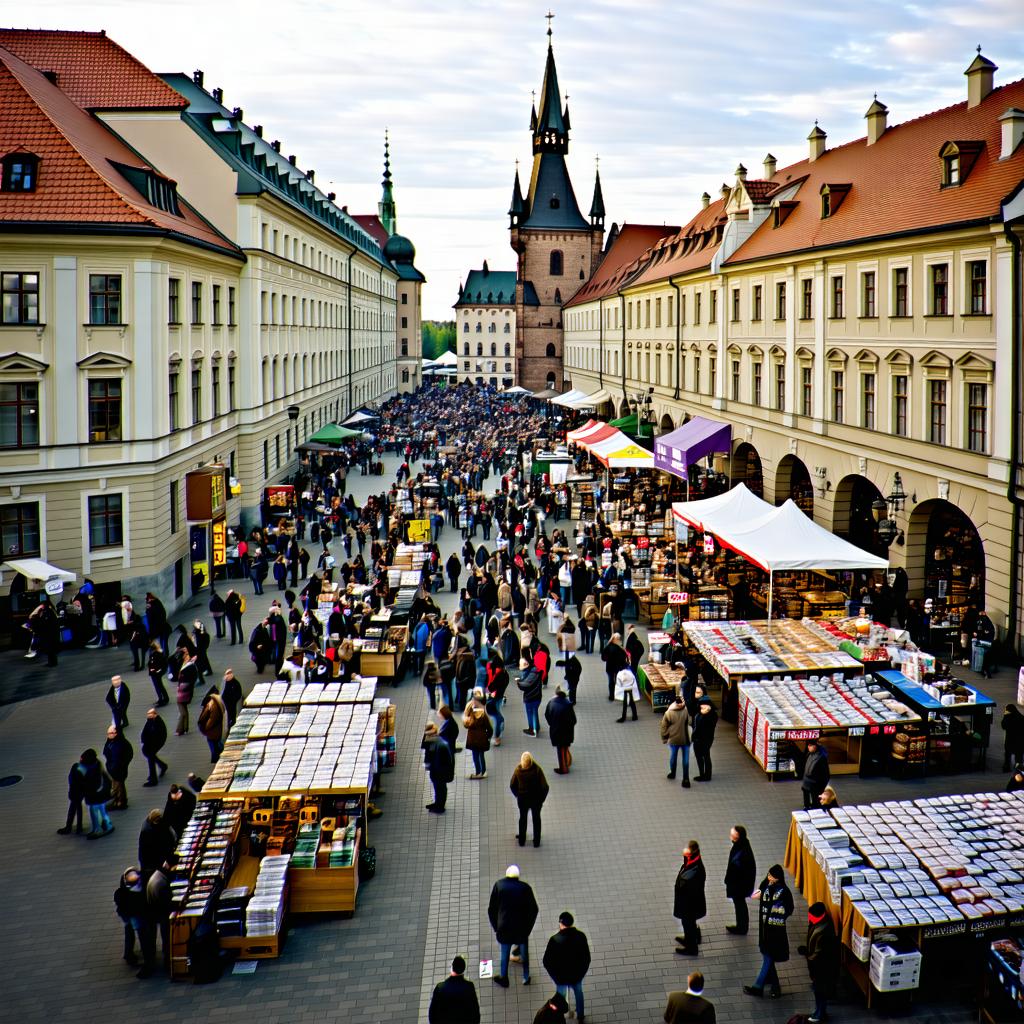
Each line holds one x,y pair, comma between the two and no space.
398,249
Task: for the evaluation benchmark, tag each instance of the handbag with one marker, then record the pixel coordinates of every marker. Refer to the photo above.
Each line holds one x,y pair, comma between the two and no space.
367,863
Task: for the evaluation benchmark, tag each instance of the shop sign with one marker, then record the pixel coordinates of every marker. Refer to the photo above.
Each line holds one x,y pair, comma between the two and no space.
280,497
880,730
220,542
679,597
205,493
802,734
643,543
856,730
709,544
54,587
419,531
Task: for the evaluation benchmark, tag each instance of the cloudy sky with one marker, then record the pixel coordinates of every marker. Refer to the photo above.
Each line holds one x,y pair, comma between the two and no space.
672,95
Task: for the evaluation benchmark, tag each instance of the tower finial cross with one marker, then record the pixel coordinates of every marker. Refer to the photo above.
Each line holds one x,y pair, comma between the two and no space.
549,16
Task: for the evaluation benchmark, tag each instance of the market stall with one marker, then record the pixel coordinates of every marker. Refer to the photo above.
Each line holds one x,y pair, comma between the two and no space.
678,451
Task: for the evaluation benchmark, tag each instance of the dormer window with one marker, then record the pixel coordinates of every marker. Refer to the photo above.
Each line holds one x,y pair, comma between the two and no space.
781,209
157,190
957,160
952,169
19,172
555,203
826,205
832,197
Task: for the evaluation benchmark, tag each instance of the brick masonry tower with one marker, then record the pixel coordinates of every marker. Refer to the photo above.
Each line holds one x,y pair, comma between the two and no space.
557,248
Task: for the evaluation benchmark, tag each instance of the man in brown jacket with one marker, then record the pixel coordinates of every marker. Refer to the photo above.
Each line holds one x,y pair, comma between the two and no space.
213,720
690,1007
675,731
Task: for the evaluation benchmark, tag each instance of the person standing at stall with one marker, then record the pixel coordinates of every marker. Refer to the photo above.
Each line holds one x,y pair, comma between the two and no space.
822,952
690,904
776,906
231,693
1013,737
816,774
739,878
703,735
675,731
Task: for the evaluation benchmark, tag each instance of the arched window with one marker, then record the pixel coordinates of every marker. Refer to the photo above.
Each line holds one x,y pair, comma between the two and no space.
494,349
479,328
491,328
508,328
508,349
465,327
479,348
556,262
550,351
558,295
465,349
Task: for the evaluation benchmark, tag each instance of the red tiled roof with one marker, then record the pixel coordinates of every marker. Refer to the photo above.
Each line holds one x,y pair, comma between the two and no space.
633,241
896,183
92,69
759,189
372,226
691,248
77,181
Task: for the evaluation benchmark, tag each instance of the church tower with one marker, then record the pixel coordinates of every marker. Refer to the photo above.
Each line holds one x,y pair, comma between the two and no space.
386,213
557,248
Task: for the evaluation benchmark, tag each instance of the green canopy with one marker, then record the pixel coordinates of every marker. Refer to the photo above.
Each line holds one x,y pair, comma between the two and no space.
631,425
334,434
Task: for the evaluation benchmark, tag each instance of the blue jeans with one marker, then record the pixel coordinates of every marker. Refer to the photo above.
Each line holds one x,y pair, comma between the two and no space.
479,762
769,976
524,952
532,718
216,748
577,991
98,817
673,752
497,717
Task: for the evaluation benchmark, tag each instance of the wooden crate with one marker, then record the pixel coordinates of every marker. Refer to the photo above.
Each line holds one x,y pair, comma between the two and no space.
255,947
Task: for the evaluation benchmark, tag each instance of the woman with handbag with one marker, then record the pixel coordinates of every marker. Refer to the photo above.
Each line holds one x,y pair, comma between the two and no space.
478,733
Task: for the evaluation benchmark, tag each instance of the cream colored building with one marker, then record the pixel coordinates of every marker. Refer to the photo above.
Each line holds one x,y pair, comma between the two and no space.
851,316
485,328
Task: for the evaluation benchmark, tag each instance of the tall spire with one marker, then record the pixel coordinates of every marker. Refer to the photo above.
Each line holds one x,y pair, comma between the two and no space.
515,211
386,213
550,131
597,205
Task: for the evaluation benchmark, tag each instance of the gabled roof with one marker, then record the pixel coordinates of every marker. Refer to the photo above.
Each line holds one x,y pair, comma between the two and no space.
896,183
690,249
549,183
623,258
91,69
489,288
371,224
79,179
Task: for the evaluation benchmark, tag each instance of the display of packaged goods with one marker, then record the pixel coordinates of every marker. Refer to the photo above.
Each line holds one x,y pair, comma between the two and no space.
892,970
265,910
358,691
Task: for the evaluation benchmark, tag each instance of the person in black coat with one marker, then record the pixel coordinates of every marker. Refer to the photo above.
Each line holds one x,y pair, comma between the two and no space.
179,807
233,613
154,736
567,960
823,954
156,843
118,698
512,911
1013,742
739,878
573,671
117,754
689,904
702,735
615,659
440,765
156,620
816,774
776,906
449,729
76,794
259,646
231,694
157,665
454,1000
561,719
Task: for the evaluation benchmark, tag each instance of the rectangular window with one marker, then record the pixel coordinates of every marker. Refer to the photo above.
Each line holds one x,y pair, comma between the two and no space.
867,400
900,398
266,459
937,411
657,312
215,387
669,308
713,318
735,380
900,289
940,289
805,391
173,499
20,298
172,401
405,323
807,296
780,387
647,312
735,304
977,417
19,415
755,313
712,374
977,272
837,299
216,305
19,530
697,300
405,298
780,300
696,375
867,291
838,389
231,307
756,391
104,299
197,302
104,410
173,300
629,316
105,528
277,451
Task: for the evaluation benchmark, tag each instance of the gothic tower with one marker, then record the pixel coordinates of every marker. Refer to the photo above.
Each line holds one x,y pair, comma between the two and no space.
557,248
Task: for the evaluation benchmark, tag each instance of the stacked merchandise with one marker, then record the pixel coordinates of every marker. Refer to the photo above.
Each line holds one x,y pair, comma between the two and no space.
343,847
775,711
387,752
307,842
359,691
265,911
230,912
910,746
205,855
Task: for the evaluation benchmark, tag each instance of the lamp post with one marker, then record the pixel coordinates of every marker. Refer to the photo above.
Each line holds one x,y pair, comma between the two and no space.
642,403
884,510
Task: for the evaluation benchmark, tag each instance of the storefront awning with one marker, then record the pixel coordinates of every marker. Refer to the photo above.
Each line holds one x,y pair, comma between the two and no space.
358,417
575,435
591,401
676,452
517,390
619,452
598,432
332,433
568,398
547,395
37,569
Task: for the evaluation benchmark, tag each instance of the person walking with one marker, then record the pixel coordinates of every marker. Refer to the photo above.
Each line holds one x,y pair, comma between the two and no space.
234,606
76,794
567,960
213,723
690,904
512,911
1013,737
478,733
816,774
430,681
776,906
626,688
690,1007
157,666
497,686
739,878
530,682
675,731
118,698
154,736
615,659
97,788
703,735
573,671
454,1000
561,719
188,676
530,788
117,754
440,764
822,952
231,694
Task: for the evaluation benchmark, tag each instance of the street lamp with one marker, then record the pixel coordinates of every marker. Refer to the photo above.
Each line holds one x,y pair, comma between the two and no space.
293,412
642,403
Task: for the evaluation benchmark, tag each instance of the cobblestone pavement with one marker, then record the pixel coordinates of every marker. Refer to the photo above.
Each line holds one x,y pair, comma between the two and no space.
614,830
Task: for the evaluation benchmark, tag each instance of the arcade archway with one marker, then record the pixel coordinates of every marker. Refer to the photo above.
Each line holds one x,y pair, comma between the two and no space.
852,514
945,556
793,481
746,468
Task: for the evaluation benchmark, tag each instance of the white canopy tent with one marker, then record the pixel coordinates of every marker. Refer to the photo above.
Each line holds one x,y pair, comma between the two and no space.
591,401
516,390
568,398
356,418
736,507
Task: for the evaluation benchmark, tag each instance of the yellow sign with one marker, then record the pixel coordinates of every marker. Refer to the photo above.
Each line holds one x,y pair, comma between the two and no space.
419,531
220,542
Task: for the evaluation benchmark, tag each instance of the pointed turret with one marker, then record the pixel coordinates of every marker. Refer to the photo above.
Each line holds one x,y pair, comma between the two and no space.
597,205
565,114
386,212
515,211
551,132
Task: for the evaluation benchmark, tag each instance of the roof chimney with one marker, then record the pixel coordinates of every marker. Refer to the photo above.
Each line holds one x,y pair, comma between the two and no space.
331,196
876,116
276,145
218,95
1012,121
310,175
741,173
197,77
979,79
258,129
237,114
705,200
292,158
769,166
817,141
724,191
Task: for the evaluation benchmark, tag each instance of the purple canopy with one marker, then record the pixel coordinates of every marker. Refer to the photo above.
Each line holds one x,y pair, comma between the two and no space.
676,452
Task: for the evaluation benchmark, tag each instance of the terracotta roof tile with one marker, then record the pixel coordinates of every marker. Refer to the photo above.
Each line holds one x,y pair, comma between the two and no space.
691,248
633,241
92,69
77,181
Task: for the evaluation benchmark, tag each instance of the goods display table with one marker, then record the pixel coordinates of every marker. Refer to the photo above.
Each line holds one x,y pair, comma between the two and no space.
1003,997
906,881
660,684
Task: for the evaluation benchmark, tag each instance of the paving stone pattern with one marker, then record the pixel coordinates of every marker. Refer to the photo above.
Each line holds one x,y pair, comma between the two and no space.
614,830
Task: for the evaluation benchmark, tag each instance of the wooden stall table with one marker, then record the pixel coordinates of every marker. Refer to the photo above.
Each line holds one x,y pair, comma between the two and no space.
660,683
